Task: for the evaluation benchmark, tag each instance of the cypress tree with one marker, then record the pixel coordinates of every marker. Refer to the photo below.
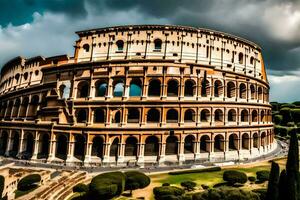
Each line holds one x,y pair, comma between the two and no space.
272,191
282,185
292,169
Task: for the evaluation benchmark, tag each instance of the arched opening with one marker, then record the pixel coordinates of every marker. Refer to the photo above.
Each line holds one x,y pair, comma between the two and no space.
114,149
205,90
135,89
231,115
189,142
151,146
83,89
263,139
62,147
230,90
3,142
33,106
133,115
79,148
65,89
204,144
154,88
86,47
252,91
233,142
118,88
241,58
218,143
205,114
189,115
97,147
189,88
9,109
81,116
44,149
254,116
131,146
153,116
255,140
117,117
172,90
218,115
251,60
243,91
172,145
24,105
99,116
245,141
120,45
259,91
157,44
15,145
244,116
218,88
16,107
172,116
29,144
62,88
262,116
101,88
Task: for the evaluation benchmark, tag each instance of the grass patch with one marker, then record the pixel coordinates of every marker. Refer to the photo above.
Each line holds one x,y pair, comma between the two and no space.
19,193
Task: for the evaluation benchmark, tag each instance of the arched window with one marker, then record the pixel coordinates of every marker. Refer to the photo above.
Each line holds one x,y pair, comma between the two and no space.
117,117
97,147
101,88
114,148
205,88
189,116
233,142
99,116
241,58
171,145
205,115
120,45
244,115
133,115
16,107
204,141
230,90
259,93
172,116
262,116
254,116
135,89
245,141
218,115
86,47
218,143
79,147
153,116
172,88
118,89
217,88
62,147
232,115
189,88
157,44
131,146
62,88
189,144
151,146
81,116
243,91
24,106
252,91
255,140
33,106
154,88
83,89
251,60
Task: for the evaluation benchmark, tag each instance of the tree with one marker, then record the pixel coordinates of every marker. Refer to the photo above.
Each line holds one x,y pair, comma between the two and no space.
233,176
136,180
292,169
272,192
282,185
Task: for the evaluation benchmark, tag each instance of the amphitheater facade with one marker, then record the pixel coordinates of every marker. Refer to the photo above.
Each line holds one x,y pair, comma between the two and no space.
141,94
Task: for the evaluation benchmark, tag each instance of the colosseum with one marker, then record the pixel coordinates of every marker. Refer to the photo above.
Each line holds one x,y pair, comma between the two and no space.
139,95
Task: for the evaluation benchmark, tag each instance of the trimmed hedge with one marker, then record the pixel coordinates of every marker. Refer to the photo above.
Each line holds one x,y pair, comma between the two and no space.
233,176
161,192
80,187
226,194
28,182
188,185
263,175
211,169
2,183
135,180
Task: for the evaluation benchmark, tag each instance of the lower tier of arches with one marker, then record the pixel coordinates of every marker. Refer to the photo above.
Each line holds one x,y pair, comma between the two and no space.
135,148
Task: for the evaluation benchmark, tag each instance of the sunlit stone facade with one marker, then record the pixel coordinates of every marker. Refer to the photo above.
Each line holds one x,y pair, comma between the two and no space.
144,94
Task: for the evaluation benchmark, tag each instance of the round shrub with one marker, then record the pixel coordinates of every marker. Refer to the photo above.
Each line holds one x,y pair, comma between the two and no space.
2,181
251,178
166,184
135,180
159,192
204,187
107,185
278,119
188,185
80,187
262,175
233,176
28,182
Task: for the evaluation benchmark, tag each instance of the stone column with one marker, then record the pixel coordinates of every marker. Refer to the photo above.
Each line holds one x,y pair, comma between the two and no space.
36,146
121,153
52,150
70,156
88,152
197,150
110,88
162,153
181,156
106,153
140,159
20,150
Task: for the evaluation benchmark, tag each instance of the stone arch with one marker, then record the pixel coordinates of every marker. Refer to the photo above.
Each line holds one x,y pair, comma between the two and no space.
259,93
230,89
204,144
189,142
205,88
154,87
120,45
252,91
131,146
15,143
172,90
65,89
79,147
189,88
86,47
99,115
151,146
263,139
218,88
262,116
135,88
233,142
114,148
254,116
218,115
172,116
81,116
243,91
231,115
44,142
157,44
245,141
219,143
28,144
189,115
118,88
9,109
133,115
83,89
33,106
205,115
101,88
172,145
241,58
16,107
61,147
153,116
23,108
255,140
117,117
244,115
3,142
98,146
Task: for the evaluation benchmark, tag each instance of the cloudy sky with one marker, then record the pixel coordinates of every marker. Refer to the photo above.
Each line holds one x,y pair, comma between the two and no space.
46,27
